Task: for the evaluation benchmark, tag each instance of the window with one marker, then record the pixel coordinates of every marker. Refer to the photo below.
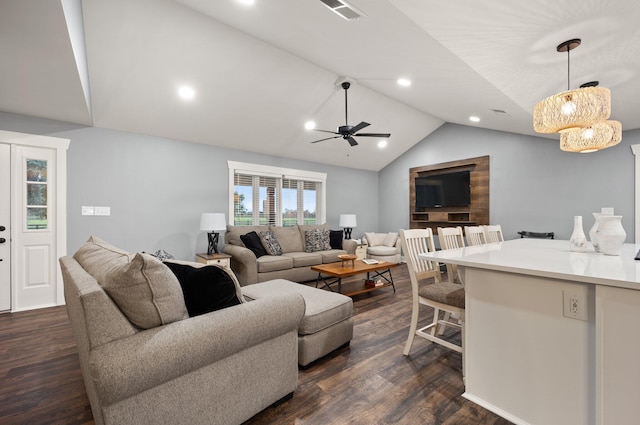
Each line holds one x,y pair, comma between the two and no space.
262,194
36,194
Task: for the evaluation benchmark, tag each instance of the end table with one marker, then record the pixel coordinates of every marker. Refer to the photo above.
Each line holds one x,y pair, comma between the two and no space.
219,259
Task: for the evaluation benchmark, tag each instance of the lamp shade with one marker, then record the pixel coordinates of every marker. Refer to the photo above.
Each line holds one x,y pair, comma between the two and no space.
572,109
348,220
213,221
592,138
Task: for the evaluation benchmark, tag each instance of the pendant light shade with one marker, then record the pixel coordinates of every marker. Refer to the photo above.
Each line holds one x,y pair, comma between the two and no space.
572,109
580,116
591,138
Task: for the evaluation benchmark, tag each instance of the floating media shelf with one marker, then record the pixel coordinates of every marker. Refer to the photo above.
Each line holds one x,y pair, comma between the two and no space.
477,213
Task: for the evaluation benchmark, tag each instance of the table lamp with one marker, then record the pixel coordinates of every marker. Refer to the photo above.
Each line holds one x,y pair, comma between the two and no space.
212,222
348,221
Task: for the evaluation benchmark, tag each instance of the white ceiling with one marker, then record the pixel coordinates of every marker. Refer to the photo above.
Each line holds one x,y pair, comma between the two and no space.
260,72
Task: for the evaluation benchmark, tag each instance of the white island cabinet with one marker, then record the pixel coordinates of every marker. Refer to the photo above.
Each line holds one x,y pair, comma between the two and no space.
552,336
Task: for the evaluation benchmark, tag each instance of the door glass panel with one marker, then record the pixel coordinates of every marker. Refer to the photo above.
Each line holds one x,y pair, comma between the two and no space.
36,170
36,199
36,218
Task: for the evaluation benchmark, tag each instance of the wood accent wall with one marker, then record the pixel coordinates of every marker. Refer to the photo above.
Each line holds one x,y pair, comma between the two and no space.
475,214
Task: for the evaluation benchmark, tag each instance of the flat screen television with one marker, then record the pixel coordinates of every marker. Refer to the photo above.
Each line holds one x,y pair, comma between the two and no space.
444,190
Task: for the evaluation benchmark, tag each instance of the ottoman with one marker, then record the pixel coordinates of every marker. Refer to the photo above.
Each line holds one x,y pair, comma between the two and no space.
327,323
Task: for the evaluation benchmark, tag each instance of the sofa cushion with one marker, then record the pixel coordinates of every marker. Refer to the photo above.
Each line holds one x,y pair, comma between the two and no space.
252,241
206,288
390,239
323,308
289,238
303,259
382,250
97,257
316,240
146,291
270,243
335,239
375,239
269,263
232,235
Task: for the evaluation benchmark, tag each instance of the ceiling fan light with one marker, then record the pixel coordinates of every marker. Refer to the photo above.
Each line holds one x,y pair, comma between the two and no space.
593,138
573,108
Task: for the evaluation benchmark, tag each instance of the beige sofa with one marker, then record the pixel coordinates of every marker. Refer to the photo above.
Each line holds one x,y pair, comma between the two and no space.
221,367
294,264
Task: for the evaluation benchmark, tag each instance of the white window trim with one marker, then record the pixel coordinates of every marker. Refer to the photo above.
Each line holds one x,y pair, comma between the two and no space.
279,172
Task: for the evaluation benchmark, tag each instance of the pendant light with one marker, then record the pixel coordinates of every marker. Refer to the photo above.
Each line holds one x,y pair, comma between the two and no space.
572,109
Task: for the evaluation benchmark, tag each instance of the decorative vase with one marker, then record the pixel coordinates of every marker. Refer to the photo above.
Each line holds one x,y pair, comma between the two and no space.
578,241
593,233
611,234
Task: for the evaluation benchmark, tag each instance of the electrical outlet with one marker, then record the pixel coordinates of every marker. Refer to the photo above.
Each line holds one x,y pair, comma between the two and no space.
574,305
88,211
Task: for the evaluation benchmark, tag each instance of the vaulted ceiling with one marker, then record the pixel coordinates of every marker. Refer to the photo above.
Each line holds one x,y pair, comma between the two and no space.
260,72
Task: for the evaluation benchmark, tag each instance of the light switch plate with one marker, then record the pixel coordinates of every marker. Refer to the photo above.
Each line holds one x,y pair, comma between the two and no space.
88,211
103,210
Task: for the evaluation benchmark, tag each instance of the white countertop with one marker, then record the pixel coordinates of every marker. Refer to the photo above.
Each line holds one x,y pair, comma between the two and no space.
549,258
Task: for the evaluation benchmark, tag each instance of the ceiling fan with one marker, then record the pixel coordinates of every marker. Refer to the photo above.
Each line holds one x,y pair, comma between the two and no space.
347,131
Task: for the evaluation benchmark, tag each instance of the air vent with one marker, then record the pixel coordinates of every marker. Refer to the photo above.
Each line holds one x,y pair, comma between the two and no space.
344,10
501,112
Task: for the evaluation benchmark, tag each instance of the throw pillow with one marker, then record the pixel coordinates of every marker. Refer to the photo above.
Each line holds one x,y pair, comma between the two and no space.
316,240
374,239
146,292
206,288
270,243
162,255
390,239
252,241
335,239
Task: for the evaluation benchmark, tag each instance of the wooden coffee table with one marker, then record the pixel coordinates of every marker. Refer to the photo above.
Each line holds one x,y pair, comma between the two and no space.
332,273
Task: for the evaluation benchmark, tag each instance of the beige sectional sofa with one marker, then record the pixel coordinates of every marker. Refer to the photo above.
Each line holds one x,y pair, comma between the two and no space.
293,264
220,367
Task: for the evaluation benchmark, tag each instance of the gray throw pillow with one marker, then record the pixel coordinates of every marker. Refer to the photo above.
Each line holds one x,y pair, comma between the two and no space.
146,292
270,243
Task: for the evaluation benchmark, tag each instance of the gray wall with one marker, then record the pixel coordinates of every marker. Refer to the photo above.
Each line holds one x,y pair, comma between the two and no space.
157,188
533,186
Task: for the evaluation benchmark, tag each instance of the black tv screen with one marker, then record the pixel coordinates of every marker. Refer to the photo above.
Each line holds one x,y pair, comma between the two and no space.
443,190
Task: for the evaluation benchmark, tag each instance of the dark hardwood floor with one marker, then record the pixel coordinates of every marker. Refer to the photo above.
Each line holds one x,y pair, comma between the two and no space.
369,382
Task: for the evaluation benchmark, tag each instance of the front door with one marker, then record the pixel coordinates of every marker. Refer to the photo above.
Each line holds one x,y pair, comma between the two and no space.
5,239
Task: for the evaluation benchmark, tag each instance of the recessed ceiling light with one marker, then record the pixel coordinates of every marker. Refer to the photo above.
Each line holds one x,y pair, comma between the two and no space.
310,125
404,82
246,2
382,144
473,118
186,92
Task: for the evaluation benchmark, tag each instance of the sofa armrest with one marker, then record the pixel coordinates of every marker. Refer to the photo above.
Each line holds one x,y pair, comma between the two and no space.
152,357
349,245
243,263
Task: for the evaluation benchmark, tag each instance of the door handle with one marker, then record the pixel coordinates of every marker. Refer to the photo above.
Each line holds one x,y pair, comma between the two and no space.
2,240
2,228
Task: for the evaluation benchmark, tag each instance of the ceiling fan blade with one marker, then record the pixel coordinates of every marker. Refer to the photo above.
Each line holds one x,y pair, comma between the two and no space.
359,127
351,141
326,131
328,138
373,134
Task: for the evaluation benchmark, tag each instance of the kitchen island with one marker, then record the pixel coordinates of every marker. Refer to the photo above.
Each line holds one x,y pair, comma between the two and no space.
552,336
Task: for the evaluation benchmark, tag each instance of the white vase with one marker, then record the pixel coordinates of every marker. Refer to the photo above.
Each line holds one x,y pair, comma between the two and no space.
578,241
611,234
593,232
